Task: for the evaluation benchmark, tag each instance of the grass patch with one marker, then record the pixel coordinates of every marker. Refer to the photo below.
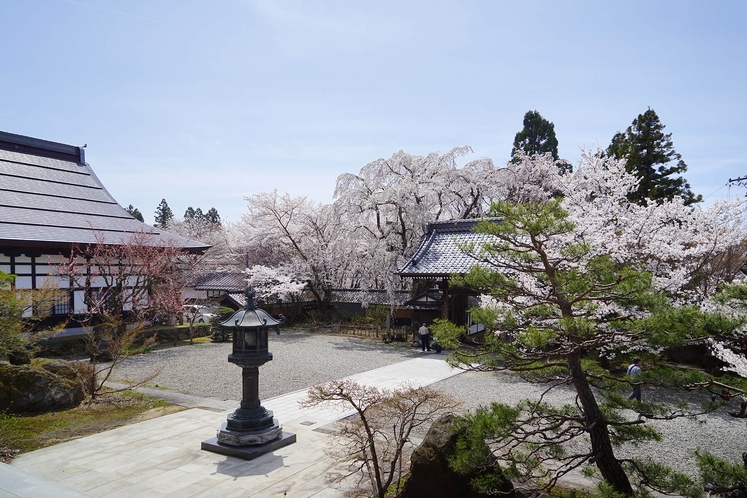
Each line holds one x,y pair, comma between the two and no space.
23,433
157,328
562,492
182,342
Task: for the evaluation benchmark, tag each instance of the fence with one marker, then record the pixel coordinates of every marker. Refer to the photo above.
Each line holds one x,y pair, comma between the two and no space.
372,331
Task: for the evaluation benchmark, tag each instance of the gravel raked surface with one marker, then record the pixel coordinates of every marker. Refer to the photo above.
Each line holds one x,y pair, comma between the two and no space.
300,360
718,433
303,359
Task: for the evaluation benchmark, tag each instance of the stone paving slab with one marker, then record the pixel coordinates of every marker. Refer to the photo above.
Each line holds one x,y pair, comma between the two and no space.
162,457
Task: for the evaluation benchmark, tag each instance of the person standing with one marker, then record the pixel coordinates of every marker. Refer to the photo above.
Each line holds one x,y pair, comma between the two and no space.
425,337
634,371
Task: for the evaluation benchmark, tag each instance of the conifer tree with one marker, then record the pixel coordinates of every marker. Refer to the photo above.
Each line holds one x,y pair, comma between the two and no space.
537,136
135,212
650,156
163,214
572,279
212,216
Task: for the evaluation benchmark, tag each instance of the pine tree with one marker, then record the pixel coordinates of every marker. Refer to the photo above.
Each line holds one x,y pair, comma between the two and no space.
163,214
550,331
135,213
573,285
189,214
650,155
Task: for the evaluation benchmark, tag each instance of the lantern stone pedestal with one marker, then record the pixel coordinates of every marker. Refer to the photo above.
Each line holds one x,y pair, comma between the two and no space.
249,452
251,430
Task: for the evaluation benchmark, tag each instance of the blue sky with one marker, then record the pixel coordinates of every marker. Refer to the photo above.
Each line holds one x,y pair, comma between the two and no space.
203,103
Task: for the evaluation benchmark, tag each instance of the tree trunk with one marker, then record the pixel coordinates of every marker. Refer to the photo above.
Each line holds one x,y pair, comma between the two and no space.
610,468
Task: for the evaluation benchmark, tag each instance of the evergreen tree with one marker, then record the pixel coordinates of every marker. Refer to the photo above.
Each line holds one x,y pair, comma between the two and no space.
189,214
650,156
573,285
550,330
199,215
212,216
163,214
135,212
537,136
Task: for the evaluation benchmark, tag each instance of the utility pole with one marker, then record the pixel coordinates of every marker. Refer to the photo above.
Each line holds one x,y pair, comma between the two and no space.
741,181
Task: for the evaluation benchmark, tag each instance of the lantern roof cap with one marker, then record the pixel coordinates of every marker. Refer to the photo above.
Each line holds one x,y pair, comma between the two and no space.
251,319
251,316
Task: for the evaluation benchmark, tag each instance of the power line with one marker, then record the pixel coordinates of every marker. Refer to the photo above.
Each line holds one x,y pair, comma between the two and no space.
717,191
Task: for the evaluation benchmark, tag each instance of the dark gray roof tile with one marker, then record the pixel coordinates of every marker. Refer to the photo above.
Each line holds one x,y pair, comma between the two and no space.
223,281
439,253
92,221
49,203
53,201
65,190
34,160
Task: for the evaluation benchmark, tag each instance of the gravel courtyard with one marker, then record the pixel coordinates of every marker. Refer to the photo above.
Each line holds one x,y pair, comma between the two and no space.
303,359
300,360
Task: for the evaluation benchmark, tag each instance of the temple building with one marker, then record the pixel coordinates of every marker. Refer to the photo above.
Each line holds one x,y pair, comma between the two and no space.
439,256
50,201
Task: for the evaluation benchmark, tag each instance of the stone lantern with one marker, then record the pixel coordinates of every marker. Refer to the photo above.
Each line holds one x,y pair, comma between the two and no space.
251,429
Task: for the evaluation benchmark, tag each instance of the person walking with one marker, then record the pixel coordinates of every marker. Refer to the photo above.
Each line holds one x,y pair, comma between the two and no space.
425,337
634,371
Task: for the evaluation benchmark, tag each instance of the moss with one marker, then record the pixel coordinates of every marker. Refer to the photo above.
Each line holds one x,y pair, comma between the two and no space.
30,432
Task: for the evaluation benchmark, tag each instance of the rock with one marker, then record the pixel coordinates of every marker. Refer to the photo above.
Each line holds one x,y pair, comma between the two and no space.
695,354
528,490
100,351
20,356
430,474
40,386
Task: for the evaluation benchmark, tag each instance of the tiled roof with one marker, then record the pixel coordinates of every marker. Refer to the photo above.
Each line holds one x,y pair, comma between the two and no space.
50,197
439,253
237,297
228,282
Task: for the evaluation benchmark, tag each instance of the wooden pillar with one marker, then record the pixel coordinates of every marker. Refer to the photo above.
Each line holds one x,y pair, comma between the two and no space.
444,286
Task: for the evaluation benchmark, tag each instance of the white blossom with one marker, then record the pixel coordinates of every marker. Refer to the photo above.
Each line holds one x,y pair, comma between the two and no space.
736,363
273,283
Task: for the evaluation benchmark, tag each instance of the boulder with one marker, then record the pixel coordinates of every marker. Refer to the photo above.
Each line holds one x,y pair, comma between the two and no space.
21,356
528,490
695,354
430,474
43,385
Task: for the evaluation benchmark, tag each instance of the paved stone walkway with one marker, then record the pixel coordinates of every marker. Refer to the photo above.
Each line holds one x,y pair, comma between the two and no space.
162,457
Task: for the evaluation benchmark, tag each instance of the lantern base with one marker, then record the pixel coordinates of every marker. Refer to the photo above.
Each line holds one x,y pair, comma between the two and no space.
249,452
232,437
250,419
